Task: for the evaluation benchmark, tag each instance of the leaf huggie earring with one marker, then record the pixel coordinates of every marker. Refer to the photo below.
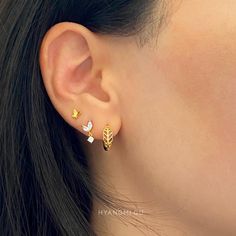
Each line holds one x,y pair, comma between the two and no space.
88,129
107,138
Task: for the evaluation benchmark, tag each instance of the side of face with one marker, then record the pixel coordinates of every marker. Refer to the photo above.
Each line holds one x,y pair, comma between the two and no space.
179,102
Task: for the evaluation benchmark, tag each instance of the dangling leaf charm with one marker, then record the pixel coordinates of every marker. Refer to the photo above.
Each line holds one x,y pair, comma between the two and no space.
107,138
89,127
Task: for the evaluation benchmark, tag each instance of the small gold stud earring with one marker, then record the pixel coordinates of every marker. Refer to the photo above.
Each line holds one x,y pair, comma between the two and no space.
107,138
76,114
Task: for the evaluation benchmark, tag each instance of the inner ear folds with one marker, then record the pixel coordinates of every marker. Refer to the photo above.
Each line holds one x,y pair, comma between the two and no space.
68,62
73,75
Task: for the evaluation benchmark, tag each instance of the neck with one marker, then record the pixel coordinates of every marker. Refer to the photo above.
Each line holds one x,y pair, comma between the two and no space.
134,211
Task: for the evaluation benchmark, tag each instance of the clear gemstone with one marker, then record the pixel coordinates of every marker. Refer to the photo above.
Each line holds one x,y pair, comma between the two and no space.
89,127
90,139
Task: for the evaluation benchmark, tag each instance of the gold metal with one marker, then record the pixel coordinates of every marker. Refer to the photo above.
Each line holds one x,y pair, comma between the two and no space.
76,114
107,138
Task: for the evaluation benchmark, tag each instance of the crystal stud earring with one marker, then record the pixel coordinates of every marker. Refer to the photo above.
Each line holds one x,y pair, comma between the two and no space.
88,129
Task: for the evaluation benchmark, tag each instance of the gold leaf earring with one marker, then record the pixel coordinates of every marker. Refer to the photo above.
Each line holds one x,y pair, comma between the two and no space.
107,138
75,114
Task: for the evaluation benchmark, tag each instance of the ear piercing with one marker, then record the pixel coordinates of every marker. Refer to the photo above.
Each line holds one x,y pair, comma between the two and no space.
88,129
75,114
107,138
107,132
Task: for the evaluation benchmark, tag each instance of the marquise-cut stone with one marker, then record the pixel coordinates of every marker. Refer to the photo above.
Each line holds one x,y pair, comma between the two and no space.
89,127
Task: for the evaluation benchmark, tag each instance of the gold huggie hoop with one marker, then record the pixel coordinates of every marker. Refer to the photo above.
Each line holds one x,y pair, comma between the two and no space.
107,138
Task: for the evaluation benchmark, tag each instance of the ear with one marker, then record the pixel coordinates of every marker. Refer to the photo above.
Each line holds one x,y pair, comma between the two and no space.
76,74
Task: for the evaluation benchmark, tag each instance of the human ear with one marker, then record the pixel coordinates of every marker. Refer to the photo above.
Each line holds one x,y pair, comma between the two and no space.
74,68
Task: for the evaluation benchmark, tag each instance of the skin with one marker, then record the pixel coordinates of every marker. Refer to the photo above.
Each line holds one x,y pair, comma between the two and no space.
172,107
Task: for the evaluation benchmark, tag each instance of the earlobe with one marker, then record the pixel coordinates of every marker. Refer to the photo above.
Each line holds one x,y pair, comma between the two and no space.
74,79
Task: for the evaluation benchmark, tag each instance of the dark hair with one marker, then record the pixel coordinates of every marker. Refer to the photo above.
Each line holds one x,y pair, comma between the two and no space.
45,184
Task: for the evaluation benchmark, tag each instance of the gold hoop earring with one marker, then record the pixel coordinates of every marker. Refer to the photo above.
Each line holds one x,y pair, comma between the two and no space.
107,138
75,114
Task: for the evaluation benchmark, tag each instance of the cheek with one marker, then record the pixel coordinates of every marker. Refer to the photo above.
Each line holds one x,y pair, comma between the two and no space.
196,141
183,115
200,70
182,112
